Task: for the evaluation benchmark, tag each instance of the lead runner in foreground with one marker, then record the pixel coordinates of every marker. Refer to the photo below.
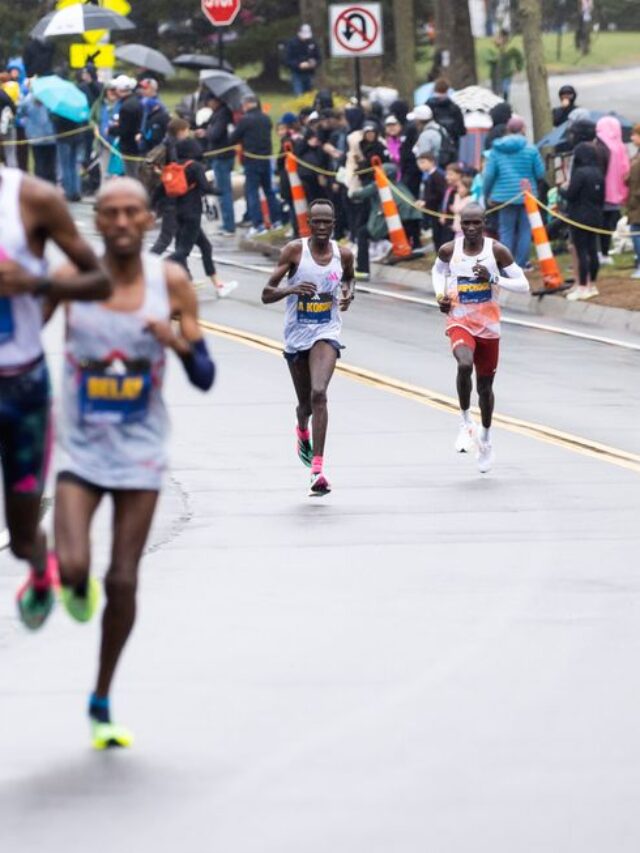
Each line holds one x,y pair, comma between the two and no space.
114,426
466,278
320,285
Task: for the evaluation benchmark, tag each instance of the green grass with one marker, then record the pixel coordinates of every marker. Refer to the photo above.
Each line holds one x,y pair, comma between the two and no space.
608,50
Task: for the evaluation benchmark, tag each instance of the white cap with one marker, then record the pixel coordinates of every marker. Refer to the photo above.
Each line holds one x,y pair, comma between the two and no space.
422,113
124,83
305,32
391,120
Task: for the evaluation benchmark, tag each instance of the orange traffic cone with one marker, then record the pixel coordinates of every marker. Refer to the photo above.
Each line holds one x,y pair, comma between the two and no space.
549,268
297,192
264,207
400,244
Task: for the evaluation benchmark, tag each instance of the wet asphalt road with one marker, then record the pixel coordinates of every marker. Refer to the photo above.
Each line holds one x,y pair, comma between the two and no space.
426,659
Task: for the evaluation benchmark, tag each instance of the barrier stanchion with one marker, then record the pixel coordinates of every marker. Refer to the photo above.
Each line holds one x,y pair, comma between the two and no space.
264,207
397,236
297,192
549,268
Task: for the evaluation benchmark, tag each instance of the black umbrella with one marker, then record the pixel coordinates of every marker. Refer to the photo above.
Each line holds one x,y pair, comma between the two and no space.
200,61
77,19
145,57
228,88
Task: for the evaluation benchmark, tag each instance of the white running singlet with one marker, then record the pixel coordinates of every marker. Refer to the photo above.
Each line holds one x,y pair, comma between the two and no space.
309,319
474,302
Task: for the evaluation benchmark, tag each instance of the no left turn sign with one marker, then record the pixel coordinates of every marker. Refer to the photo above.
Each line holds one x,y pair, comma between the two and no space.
355,29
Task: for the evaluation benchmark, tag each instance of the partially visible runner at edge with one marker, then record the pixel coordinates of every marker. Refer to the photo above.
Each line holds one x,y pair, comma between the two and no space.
31,213
320,284
115,426
467,276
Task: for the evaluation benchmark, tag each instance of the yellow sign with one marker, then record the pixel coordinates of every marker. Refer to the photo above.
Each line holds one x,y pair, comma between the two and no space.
104,55
120,7
94,36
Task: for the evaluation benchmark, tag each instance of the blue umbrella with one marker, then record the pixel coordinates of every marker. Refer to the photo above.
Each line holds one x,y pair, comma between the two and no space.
61,98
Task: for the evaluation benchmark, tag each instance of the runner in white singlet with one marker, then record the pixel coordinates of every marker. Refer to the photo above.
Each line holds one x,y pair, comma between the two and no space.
467,276
319,286
31,213
115,424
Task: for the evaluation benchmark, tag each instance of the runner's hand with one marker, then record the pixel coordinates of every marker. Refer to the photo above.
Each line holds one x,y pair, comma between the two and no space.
305,288
346,298
15,280
444,303
481,272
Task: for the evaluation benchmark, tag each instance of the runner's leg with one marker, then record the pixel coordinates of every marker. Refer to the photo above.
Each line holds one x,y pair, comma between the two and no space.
322,362
132,517
464,358
299,369
75,506
486,399
27,538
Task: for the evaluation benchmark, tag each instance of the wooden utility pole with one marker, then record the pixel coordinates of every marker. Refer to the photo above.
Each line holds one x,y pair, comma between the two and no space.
404,27
531,25
455,40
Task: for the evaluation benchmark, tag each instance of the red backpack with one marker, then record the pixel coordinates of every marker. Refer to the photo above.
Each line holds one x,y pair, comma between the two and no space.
174,179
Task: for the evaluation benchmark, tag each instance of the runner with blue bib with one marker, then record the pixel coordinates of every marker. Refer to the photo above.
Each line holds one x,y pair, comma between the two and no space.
320,285
115,425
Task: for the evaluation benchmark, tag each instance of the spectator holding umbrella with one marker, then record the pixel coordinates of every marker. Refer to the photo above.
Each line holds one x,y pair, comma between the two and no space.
302,56
609,140
39,130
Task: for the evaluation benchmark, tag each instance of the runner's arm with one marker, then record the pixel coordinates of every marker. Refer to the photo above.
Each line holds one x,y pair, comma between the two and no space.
90,280
441,271
348,279
513,278
189,345
288,261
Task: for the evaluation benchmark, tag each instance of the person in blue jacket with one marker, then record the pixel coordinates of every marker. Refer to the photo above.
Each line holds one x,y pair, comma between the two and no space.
511,160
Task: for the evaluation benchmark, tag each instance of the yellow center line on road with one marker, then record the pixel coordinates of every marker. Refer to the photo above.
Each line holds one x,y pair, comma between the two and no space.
444,403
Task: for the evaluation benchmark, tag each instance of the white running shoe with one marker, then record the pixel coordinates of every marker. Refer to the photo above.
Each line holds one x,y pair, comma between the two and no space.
381,250
578,293
320,486
635,273
226,288
466,440
486,457
590,292
605,260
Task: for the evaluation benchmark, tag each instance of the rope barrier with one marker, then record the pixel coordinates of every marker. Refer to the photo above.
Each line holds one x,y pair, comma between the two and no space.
318,170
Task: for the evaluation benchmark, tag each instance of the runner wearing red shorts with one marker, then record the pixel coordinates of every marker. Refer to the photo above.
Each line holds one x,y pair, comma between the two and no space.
466,279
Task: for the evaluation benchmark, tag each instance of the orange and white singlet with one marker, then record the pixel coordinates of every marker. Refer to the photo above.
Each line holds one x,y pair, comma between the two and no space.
474,303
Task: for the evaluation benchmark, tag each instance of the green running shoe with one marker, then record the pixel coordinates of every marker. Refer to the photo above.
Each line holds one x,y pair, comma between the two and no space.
36,597
108,735
305,451
81,607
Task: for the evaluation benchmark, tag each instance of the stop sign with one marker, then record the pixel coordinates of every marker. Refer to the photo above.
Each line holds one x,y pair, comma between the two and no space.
221,13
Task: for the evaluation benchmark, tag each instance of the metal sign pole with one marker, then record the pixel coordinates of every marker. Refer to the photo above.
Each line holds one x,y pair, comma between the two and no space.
220,48
358,71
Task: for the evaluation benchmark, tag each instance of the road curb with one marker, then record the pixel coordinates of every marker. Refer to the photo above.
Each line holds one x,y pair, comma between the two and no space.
584,313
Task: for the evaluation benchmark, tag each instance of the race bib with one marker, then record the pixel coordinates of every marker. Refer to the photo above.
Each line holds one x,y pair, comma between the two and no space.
472,291
314,310
117,393
6,320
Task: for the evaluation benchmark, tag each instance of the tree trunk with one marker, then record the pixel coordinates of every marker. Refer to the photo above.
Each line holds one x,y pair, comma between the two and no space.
454,41
405,38
531,25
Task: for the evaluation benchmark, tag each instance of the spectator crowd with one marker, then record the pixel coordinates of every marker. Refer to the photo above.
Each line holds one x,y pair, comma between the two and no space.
420,149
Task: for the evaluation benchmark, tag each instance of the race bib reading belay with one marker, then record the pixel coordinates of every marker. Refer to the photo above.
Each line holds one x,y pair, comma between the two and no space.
473,291
115,396
314,310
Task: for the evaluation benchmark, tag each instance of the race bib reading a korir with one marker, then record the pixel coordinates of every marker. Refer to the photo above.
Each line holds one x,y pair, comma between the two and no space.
314,310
